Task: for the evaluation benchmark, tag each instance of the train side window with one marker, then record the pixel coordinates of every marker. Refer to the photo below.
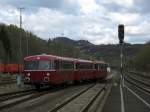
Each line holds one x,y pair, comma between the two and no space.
86,66
56,64
52,64
67,65
96,66
105,66
81,66
100,66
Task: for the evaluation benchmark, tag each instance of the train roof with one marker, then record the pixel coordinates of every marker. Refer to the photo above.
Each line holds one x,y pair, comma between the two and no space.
47,57
83,61
54,57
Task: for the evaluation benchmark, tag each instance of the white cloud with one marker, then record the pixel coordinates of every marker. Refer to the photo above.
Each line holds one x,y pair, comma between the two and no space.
140,29
106,39
9,15
88,6
93,21
49,23
125,18
122,3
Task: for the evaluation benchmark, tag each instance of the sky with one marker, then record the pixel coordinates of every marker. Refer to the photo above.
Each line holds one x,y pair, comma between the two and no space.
93,20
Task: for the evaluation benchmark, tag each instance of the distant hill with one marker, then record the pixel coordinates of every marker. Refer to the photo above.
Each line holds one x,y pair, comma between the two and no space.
72,42
109,53
63,46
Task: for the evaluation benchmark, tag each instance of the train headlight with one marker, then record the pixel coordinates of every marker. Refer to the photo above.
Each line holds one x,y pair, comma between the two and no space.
48,74
28,74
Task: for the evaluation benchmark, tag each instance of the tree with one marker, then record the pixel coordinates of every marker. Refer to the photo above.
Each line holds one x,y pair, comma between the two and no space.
49,41
142,60
6,43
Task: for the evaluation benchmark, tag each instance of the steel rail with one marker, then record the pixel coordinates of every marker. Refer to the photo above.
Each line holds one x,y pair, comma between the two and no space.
21,100
138,81
15,95
138,86
69,100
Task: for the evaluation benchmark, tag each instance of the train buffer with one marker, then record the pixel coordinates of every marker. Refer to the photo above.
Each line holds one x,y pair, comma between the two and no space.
126,99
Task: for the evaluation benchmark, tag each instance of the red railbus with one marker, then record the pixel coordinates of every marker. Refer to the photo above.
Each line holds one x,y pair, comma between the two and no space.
51,70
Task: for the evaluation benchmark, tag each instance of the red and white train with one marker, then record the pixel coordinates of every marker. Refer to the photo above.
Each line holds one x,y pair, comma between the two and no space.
51,70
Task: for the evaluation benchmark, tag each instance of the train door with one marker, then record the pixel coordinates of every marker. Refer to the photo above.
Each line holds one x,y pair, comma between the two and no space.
67,71
57,76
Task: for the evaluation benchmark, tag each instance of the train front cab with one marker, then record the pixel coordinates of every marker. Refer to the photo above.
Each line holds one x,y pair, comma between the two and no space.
38,72
48,72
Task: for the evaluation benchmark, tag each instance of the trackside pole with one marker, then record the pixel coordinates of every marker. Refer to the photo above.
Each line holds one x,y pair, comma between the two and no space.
121,64
19,75
19,80
121,42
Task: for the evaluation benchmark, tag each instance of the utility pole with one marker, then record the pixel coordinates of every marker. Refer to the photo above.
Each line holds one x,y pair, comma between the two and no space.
121,63
28,35
121,42
20,40
19,76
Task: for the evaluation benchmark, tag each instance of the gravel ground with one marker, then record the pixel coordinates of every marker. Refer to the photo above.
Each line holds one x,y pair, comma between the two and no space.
46,102
8,88
82,101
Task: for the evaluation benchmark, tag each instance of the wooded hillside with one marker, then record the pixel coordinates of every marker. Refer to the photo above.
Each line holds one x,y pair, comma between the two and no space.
136,54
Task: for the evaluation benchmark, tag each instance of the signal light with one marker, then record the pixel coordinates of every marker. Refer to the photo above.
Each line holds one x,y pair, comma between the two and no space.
121,33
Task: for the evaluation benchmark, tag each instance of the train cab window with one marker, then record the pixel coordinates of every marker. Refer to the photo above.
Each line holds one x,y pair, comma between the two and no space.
45,65
38,65
67,65
31,65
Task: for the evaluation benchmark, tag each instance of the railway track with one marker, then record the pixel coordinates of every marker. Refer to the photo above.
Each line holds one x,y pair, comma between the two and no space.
87,96
82,101
10,99
142,82
140,75
8,96
4,82
140,85
141,90
144,78
19,98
